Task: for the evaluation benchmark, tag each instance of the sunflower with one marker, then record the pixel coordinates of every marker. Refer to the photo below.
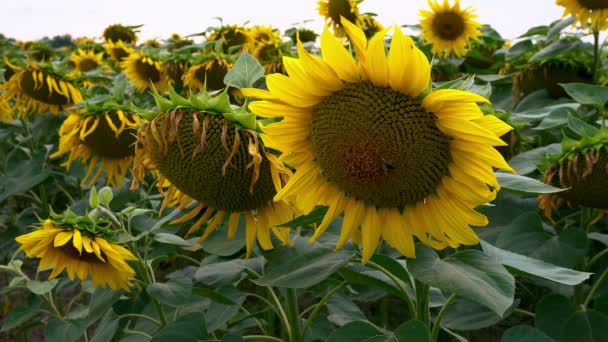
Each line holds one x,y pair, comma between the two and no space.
37,89
594,12
549,75
333,10
207,152
582,166
85,60
211,71
118,50
103,141
305,35
261,33
369,139
81,252
234,38
370,25
449,28
6,112
120,33
144,71
270,54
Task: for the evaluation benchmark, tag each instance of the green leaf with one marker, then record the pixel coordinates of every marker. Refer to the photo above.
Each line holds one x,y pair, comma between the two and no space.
23,176
525,333
245,72
213,295
358,331
217,243
524,184
218,314
557,118
559,26
64,330
306,269
41,287
588,94
412,331
552,312
107,327
172,239
470,274
187,328
588,326
19,315
535,267
603,238
224,273
518,49
314,217
93,199
342,310
580,127
558,47
527,162
363,275
175,292
105,196
463,315
101,300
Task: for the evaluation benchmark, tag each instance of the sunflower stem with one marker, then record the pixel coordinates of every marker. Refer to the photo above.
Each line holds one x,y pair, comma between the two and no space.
319,305
293,314
437,323
594,288
597,257
410,302
422,302
596,54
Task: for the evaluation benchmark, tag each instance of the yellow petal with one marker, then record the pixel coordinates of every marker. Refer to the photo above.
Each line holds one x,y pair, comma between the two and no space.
371,231
77,240
62,238
377,65
334,54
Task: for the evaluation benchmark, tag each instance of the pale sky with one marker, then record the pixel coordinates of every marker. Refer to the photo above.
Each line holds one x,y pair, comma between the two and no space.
31,19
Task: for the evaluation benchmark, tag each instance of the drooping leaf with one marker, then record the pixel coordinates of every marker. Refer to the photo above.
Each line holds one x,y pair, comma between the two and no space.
588,94
524,184
175,292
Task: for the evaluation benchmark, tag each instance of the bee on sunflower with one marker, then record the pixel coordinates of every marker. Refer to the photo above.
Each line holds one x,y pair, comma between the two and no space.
102,137
145,71
210,153
334,10
582,166
370,139
81,246
587,12
38,88
119,33
449,28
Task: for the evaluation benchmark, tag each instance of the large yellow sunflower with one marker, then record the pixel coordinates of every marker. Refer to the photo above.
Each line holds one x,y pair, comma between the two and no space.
449,28
211,70
81,253
118,50
37,90
333,10
103,142
144,71
370,140
594,12
203,155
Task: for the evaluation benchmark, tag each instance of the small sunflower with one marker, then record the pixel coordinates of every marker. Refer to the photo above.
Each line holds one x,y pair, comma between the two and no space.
449,28
270,54
261,33
37,89
211,70
118,50
305,35
174,70
38,50
81,252
86,60
120,33
103,141
370,25
144,71
333,10
234,38
370,140
593,12
207,152
582,166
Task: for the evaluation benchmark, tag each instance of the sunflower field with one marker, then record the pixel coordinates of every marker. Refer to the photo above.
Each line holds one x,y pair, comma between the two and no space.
430,181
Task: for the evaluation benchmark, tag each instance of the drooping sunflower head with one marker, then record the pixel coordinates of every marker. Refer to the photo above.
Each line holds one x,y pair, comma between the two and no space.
144,72
333,10
592,12
548,75
207,152
117,32
305,35
118,50
39,88
582,166
449,28
369,139
6,112
83,248
233,38
175,70
176,42
86,60
211,72
38,50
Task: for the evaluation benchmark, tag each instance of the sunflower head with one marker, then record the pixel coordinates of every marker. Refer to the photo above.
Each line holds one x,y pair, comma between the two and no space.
270,54
548,75
587,12
369,139
144,72
37,88
38,50
84,41
209,152
305,35
118,50
582,166
370,25
449,28
86,60
333,10
81,246
261,33
209,72
233,38
117,32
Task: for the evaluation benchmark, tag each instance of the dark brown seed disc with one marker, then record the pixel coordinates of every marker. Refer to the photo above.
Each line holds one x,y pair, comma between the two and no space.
42,92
